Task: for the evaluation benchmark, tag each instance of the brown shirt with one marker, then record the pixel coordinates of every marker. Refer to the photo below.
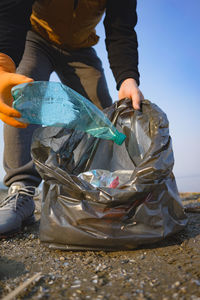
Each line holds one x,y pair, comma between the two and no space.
65,26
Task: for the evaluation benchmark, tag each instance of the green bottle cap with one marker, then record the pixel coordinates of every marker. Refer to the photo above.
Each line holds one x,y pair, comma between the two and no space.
119,138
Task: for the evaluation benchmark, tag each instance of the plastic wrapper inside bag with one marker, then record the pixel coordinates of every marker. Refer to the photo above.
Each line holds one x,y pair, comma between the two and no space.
99,195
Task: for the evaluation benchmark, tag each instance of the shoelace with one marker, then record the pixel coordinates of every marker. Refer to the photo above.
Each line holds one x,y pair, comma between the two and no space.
21,191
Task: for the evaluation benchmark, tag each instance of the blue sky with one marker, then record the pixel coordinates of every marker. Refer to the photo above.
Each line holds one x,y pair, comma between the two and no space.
169,64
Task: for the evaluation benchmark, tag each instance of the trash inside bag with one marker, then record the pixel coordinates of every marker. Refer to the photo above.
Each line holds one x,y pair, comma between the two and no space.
101,196
100,178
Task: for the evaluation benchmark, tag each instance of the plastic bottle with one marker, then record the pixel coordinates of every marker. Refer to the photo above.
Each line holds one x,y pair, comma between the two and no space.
55,104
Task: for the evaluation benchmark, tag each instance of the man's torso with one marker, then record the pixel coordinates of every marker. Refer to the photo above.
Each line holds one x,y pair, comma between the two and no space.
69,24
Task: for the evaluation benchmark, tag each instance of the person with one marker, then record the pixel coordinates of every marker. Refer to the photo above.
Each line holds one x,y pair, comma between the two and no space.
42,36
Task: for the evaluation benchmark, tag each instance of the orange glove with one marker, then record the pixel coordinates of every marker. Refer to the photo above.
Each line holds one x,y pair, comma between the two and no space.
8,79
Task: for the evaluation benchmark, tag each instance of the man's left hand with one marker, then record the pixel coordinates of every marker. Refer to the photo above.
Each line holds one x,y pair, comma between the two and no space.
129,89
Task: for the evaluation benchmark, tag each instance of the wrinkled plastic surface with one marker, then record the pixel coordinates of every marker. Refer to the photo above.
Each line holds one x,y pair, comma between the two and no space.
55,104
80,210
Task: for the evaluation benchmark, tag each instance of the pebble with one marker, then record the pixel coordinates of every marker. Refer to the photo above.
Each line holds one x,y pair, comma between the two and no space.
124,261
154,282
77,282
95,281
140,297
176,284
74,286
197,282
62,258
183,289
175,295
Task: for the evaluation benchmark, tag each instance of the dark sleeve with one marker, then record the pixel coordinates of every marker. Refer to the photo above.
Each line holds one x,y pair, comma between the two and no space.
14,24
121,39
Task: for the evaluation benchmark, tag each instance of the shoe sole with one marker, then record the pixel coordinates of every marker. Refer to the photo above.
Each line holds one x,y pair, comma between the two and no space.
30,221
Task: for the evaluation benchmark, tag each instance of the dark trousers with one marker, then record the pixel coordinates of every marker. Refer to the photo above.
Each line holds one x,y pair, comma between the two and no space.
80,69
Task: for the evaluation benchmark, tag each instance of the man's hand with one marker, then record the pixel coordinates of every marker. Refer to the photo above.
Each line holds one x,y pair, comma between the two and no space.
129,89
8,79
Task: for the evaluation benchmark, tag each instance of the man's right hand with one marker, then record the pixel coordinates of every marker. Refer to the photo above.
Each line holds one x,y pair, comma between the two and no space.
8,79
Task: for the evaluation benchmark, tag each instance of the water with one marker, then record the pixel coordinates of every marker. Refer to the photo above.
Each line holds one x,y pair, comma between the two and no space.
188,184
2,186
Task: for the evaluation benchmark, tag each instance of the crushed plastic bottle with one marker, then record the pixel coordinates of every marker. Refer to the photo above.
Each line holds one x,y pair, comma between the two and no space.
105,178
55,104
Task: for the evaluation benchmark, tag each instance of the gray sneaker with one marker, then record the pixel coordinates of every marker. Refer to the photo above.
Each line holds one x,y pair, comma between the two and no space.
17,209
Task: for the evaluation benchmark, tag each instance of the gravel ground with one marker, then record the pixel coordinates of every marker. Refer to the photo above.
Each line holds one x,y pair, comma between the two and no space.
166,270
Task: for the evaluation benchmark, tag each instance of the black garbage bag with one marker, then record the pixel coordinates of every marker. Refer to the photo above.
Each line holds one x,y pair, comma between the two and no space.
99,195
